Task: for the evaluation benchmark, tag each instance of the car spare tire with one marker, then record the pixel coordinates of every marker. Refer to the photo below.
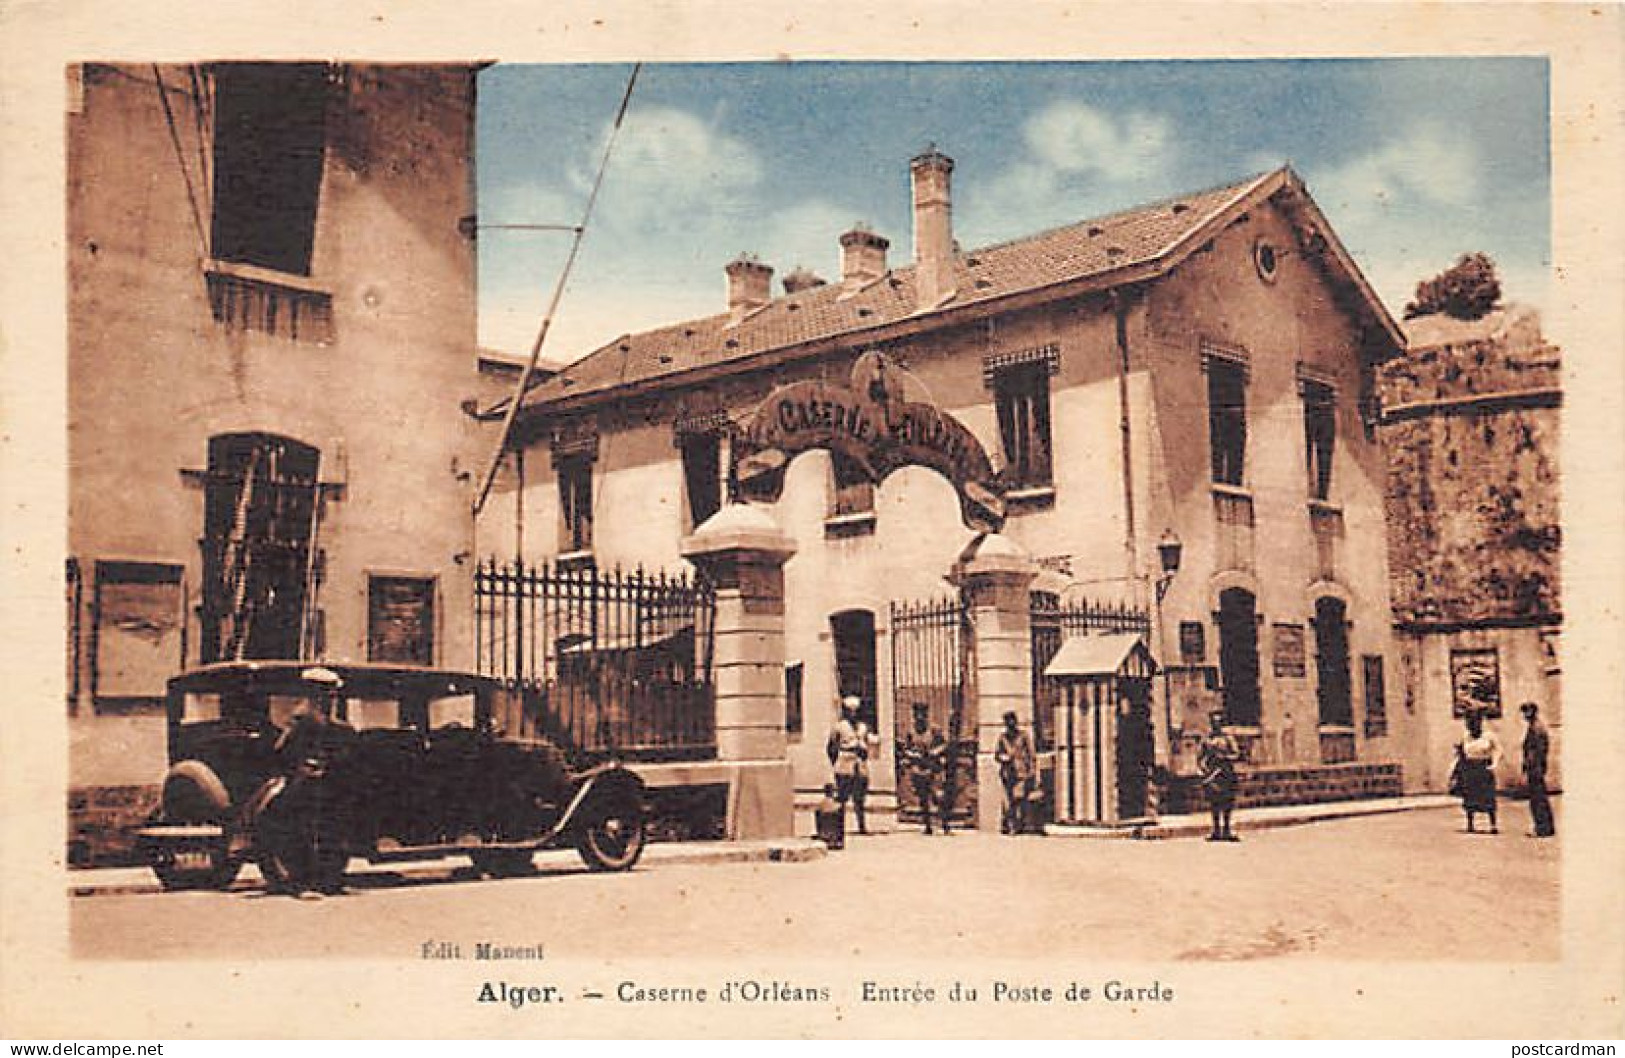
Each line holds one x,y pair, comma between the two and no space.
194,795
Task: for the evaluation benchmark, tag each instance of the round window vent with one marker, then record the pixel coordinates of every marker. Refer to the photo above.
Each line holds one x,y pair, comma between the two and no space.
1267,259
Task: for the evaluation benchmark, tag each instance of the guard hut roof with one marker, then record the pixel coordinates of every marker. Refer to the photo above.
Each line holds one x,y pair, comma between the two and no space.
1113,654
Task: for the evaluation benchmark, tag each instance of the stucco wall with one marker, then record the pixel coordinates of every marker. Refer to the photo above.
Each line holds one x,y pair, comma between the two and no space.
152,375
1217,294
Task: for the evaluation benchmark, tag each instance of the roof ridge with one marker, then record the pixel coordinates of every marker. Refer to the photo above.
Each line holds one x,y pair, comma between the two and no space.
1167,200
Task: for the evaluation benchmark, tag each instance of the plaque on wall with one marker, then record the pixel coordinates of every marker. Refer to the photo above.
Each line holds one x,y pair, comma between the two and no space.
1289,652
1475,682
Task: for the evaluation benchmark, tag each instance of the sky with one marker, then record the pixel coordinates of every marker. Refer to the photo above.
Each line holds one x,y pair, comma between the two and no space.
1414,161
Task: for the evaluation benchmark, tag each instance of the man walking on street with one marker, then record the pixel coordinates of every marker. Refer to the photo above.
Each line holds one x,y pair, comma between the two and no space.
1536,746
1017,767
923,757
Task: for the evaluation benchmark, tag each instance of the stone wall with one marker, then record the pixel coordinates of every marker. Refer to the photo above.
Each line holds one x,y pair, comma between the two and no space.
1263,787
1471,429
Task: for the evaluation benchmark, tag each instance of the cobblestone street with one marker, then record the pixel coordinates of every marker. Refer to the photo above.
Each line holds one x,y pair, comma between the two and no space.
1405,886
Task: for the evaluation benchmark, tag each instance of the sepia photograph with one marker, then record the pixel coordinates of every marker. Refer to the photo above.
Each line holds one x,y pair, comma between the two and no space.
900,542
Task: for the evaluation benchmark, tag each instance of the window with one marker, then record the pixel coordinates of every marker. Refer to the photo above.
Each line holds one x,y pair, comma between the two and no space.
75,602
1227,419
269,143
702,475
1332,663
575,503
854,493
259,517
1022,394
1320,436
794,677
854,635
140,633
400,620
1376,696
1238,656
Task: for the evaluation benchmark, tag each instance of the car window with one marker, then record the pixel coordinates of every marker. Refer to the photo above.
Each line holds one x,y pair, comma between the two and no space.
458,709
283,706
200,708
370,714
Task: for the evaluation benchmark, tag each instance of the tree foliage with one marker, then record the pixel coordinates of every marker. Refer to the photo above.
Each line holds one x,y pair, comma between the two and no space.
1466,290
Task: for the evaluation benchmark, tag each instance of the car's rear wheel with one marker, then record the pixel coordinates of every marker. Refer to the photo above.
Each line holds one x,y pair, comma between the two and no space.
502,863
194,794
612,838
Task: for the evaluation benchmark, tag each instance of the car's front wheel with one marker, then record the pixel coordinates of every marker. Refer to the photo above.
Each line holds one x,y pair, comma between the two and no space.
612,838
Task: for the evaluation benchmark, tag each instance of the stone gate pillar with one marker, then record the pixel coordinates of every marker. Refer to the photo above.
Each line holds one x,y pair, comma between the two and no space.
996,578
742,552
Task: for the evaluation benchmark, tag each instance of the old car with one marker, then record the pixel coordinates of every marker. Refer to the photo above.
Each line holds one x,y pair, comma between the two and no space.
299,766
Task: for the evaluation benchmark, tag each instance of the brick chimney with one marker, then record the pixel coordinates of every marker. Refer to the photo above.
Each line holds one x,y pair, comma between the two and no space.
750,286
933,229
863,258
801,279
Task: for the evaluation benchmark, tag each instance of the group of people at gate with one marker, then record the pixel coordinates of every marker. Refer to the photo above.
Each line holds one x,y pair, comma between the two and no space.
925,764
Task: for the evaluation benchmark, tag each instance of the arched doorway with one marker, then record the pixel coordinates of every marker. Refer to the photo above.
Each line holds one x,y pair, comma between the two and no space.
1238,657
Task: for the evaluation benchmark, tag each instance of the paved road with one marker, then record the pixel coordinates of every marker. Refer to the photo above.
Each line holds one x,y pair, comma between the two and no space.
1410,885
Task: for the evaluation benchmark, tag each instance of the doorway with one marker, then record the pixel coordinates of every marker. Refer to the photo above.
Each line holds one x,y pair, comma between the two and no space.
1136,748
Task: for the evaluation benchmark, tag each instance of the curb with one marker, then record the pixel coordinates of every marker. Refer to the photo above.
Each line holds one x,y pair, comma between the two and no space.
1298,815
139,881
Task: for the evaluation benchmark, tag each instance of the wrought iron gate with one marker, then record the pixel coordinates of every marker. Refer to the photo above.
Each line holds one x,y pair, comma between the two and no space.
931,644
613,662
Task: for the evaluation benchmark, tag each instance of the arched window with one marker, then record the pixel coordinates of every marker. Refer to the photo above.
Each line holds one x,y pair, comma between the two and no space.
1332,663
257,523
1238,656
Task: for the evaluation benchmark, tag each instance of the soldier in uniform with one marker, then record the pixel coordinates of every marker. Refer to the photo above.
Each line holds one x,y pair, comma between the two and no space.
1536,747
850,745
1017,768
1217,759
923,758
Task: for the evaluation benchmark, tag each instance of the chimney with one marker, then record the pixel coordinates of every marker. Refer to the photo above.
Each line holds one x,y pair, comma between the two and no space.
749,286
801,279
863,258
933,229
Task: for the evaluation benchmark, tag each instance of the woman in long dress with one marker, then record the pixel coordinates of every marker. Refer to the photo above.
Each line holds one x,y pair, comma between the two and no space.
1477,756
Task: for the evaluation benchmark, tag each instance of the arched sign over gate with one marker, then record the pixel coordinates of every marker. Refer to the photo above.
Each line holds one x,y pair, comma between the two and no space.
872,425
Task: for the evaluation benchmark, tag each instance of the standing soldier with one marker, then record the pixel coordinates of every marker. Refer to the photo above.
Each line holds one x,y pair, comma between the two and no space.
923,758
1217,760
1536,747
849,748
1017,766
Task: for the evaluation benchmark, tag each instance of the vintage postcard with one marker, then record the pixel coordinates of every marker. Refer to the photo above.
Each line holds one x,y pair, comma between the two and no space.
722,520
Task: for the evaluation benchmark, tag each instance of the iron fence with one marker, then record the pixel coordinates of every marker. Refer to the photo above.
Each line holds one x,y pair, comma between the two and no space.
613,661
931,666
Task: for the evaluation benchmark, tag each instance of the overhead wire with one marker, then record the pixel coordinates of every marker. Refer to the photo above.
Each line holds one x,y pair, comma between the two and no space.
180,159
580,231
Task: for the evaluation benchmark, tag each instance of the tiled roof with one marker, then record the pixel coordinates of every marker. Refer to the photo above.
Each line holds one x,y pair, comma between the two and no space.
1077,251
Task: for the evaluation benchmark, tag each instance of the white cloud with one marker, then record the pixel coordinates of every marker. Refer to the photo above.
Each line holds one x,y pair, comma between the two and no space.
1428,165
1077,158
670,166
1070,136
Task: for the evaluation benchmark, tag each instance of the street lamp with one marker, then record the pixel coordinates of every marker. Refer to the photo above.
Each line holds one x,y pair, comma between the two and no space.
1169,550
